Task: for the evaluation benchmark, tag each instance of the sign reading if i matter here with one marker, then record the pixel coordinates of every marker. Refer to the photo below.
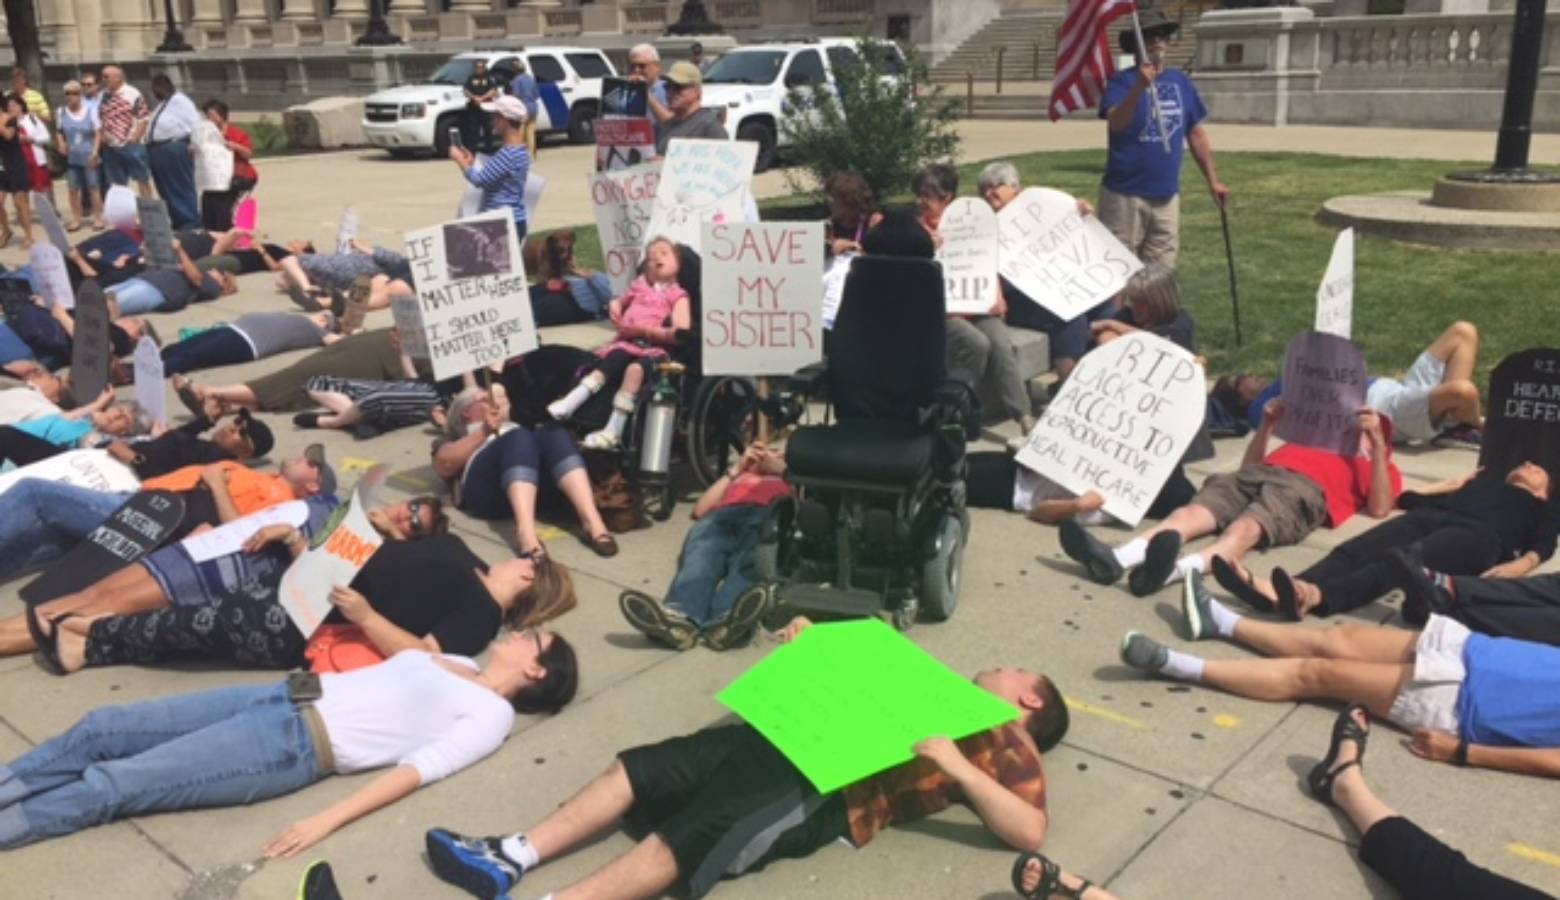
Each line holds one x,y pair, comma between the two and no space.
763,310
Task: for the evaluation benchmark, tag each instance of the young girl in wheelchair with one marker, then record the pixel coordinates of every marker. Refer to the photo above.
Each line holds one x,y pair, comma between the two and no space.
648,317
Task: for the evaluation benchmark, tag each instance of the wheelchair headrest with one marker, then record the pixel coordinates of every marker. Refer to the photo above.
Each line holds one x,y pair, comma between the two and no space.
886,355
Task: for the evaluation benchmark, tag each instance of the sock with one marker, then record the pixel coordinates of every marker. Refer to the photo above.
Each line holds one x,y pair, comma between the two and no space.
1183,666
1192,563
1442,581
622,405
519,851
1224,618
565,406
1132,553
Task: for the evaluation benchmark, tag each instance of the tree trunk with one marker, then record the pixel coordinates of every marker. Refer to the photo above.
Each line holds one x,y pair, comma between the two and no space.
21,22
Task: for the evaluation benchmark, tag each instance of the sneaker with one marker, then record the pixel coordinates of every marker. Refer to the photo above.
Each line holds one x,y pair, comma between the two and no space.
1158,564
655,621
1089,550
318,883
1421,595
1465,436
558,410
601,440
1195,608
474,865
1140,651
736,626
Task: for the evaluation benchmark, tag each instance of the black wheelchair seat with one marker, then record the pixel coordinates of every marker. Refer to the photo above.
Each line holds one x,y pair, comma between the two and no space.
876,452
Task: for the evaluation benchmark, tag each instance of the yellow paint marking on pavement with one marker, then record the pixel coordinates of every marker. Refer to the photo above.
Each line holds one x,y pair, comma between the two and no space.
548,533
1106,714
356,464
1534,854
1225,720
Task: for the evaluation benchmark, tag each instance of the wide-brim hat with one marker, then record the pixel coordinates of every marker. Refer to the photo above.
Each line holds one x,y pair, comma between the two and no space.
1152,21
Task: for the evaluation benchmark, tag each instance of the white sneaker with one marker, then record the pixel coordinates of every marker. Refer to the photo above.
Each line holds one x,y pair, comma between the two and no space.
601,440
559,409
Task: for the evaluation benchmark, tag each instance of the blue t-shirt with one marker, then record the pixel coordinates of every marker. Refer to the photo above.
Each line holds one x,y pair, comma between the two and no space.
1137,164
524,89
1511,694
57,430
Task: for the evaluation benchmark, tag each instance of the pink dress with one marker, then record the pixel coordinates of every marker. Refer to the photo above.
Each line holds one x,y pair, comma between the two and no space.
645,305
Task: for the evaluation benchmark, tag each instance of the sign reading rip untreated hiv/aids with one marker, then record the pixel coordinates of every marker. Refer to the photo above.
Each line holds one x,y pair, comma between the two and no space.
1065,261
763,310
1324,390
1523,423
623,200
969,256
1120,423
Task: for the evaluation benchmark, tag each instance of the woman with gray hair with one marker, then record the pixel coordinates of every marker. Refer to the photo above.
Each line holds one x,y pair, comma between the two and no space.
79,139
1150,302
37,439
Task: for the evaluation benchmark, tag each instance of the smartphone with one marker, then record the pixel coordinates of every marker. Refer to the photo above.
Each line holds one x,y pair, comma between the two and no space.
304,687
455,137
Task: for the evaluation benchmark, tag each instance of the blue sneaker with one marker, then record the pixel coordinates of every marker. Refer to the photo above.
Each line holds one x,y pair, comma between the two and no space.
475,865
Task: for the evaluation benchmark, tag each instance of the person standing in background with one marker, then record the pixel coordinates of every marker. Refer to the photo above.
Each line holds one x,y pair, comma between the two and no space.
79,140
217,206
123,115
480,88
525,89
168,151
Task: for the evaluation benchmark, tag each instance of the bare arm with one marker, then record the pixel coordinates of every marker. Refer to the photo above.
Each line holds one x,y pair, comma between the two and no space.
1379,500
1515,568
1202,153
227,239
1256,448
1543,762
451,458
377,794
712,496
389,638
100,403
1018,824
1055,512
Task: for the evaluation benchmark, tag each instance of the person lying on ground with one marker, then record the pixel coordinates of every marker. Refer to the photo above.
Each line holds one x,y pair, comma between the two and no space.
724,801
1150,302
996,480
47,436
1272,500
42,393
48,334
1493,702
309,277
716,596
423,715
1416,864
493,467
250,337
1436,401
259,257
369,408
108,258
1035,877
1500,525
1524,608
168,290
243,438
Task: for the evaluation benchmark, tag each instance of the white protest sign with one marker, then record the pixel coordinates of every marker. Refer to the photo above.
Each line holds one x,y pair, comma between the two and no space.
213,160
1324,389
470,195
49,276
1121,423
1065,261
93,469
119,207
534,186
834,286
347,230
701,181
969,256
1335,297
51,222
150,389
623,201
407,312
475,304
228,539
335,556
763,311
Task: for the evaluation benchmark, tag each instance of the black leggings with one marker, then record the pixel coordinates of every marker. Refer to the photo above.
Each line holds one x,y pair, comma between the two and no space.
615,364
1527,609
252,630
24,449
1422,868
988,484
1357,572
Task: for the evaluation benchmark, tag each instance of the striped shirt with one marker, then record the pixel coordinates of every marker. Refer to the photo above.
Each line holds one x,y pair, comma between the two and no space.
502,180
119,112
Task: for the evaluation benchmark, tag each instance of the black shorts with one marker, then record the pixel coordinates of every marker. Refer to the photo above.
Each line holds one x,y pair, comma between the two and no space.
727,802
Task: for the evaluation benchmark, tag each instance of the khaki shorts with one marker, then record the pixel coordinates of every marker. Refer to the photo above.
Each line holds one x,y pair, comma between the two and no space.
1287,505
1429,700
1151,229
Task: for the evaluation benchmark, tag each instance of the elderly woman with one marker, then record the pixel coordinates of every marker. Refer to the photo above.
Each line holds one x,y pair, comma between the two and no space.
28,442
980,349
79,139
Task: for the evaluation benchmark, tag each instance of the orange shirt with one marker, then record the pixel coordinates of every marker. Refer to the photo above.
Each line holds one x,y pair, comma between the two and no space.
251,491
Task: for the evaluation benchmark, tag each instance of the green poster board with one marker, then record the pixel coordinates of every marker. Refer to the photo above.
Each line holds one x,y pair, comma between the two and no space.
849,699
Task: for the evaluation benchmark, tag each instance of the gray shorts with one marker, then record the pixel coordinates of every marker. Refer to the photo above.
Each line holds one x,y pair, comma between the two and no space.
1429,699
1407,402
1286,504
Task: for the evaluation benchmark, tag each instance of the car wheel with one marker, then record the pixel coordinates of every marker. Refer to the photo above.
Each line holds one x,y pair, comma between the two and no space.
401,152
764,136
582,123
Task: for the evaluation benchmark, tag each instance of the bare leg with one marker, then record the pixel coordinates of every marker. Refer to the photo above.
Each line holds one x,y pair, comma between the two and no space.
1355,797
128,591
576,486
75,205
347,418
145,188
1031,880
1456,401
633,379
230,396
522,499
97,207
1190,521
24,216
645,871
5,227
597,807
1241,537
1458,347
1374,684
292,273
1360,643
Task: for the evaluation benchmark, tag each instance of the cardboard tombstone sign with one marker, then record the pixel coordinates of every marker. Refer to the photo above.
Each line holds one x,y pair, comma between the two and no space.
51,222
140,526
150,382
157,231
1121,423
119,207
346,230
763,310
1335,296
1065,261
91,353
50,277
335,555
1522,421
969,256
622,143
701,181
1324,390
93,469
623,200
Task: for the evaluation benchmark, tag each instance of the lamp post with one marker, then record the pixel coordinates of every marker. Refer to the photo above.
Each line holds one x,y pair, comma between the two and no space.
173,39
378,33
1516,119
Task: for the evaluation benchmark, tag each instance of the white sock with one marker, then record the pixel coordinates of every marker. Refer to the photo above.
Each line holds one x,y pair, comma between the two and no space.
569,403
1224,618
1183,666
622,405
1132,553
1192,563
520,852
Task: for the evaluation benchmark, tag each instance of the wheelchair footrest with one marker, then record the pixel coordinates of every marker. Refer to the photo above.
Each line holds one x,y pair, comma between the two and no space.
823,598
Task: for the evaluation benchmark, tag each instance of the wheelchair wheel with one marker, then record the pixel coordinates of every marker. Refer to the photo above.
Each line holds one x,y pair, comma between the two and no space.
941,574
658,500
723,420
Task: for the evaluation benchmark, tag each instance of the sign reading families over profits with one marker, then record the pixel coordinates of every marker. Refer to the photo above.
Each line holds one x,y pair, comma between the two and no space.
701,181
1121,423
335,556
846,700
475,305
623,200
1324,391
1335,297
763,310
1065,261
969,256
1524,413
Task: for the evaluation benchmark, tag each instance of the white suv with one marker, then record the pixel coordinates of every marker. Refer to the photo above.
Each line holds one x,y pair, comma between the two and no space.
415,118
750,84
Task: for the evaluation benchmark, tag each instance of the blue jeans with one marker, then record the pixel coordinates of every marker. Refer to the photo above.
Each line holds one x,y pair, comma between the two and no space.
83,178
213,748
593,294
519,455
122,164
219,346
12,348
40,520
137,296
717,563
173,169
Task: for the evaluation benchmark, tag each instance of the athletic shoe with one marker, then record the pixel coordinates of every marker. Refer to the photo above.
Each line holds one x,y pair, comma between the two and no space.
736,626
1097,558
1195,608
1158,564
318,883
1465,436
651,618
599,440
1421,595
1140,651
474,865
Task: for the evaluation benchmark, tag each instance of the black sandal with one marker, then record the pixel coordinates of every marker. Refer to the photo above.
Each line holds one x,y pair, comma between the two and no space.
1345,728
1050,879
1288,594
1239,584
48,644
185,389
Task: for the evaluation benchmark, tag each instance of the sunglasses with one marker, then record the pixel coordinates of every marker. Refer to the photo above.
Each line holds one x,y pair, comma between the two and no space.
634,65
417,528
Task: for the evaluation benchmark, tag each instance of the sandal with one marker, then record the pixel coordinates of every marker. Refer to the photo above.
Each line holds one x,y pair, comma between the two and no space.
1288,594
1345,728
1050,879
185,389
1240,585
48,644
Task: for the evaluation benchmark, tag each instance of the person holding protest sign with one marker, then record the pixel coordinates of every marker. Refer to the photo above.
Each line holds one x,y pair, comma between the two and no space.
42,393
725,801
1272,500
501,176
996,480
216,207
644,67
1151,110
423,716
168,290
1150,302
686,116
648,317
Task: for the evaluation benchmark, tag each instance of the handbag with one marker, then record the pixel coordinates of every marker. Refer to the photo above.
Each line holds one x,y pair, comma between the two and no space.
340,648
57,163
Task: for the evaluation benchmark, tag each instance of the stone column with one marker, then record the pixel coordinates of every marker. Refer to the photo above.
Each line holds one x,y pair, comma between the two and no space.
298,11
250,12
352,9
206,13
408,7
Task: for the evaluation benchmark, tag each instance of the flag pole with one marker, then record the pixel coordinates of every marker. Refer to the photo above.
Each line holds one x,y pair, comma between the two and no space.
1229,255
1153,90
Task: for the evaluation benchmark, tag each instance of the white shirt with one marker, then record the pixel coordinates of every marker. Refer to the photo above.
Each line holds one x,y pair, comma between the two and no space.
411,711
1030,487
23,404
173,119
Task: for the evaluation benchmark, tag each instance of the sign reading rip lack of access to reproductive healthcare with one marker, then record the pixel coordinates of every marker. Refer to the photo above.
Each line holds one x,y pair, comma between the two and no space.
969,256
334,557
1065,261
1324,390
1121,423
623,200
701,181
1335,296
471,292
763,310
847,700
1523,416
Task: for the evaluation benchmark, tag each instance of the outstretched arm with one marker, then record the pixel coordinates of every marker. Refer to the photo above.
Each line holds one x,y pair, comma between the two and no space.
1442,747
1018,824
379,793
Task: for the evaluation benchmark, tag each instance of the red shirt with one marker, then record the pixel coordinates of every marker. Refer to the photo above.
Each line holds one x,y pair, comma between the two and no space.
242,168
751,489
1345,481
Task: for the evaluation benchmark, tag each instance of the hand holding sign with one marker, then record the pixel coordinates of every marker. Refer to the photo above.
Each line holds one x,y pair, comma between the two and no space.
762,303
1324,391
1065,261
969,256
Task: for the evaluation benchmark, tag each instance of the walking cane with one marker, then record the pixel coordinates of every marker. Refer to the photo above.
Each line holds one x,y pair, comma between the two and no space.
1229,256
1153,89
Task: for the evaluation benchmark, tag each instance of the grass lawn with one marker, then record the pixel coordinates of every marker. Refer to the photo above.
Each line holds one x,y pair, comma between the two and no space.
1403,295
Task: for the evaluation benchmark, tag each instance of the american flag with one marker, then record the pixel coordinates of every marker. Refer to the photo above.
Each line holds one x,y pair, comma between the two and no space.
1083,58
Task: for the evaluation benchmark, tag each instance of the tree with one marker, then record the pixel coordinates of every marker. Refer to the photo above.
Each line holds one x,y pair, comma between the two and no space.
871,122
21,23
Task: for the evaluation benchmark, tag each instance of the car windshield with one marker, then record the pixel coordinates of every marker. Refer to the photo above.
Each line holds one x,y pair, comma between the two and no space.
455,72
746,67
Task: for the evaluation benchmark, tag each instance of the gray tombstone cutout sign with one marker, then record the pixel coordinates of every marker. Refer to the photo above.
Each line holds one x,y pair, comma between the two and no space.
51,222
1524,413
1324,390
90,357
157,230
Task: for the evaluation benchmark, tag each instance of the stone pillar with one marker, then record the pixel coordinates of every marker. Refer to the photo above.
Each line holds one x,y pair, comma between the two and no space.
352,9
206,13
298,11
407,7
250,12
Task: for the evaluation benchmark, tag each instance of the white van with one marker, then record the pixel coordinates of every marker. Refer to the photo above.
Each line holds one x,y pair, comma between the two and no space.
417,118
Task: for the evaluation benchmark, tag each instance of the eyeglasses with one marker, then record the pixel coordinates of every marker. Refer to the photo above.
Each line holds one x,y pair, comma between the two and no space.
638,65
73,93
415,508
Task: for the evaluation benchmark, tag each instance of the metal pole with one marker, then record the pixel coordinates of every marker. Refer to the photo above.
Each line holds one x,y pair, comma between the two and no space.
173,39
1153,89
378,34
1516,119
1229,255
